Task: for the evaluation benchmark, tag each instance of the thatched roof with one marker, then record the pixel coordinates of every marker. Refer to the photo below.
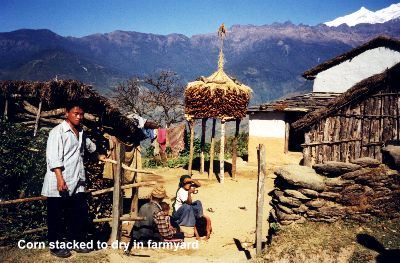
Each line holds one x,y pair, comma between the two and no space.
381,41
216,96
360,91
55,94
300,103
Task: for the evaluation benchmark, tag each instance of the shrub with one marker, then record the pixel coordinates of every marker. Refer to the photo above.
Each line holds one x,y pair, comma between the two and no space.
22,162
22,169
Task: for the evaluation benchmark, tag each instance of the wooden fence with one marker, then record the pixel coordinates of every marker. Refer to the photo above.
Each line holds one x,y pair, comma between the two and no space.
357,130
117,213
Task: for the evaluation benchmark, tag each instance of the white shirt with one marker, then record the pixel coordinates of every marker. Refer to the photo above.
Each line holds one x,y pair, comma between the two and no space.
65,150
181,197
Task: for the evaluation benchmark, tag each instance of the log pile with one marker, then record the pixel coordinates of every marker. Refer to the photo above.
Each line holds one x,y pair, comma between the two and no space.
358,190
20,100
304,103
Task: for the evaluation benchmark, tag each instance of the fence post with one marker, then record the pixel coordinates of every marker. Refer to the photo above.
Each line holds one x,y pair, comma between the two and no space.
212,146
262,171
287,130
222,154
5,113
137,159
202,144
117,193
191,151
37,118
234,148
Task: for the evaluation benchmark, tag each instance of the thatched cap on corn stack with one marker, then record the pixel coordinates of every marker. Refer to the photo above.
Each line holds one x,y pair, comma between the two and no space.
217,96
54,95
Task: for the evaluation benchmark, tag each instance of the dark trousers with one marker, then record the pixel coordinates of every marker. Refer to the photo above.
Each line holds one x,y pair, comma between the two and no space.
67,218
179,235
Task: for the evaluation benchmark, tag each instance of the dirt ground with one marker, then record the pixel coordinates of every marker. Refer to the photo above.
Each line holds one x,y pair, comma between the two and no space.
234,215
231,207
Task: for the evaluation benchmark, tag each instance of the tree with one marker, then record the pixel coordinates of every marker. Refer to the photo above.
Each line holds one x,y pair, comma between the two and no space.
158,97
128,97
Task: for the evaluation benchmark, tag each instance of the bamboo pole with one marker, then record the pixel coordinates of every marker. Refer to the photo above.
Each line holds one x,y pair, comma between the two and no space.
191,126
117,193
234,148
203,141
212,146
222,153
37,118
262,172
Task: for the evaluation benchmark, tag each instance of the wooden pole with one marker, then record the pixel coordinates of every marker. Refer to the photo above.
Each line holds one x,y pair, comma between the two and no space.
122,218
306,150
5,113
37,118
212,146
127,186
222,153
117,193
202,143
97,220
137,178
126,167
191,126
23,200
93,193
287,129
234,148
262,172
30,231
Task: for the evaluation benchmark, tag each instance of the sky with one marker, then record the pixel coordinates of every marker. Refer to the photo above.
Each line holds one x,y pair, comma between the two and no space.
189,17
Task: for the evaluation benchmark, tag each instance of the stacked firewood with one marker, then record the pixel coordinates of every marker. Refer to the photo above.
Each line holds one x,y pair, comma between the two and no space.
33,102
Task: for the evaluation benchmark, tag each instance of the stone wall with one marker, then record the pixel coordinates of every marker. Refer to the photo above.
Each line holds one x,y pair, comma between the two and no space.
335,190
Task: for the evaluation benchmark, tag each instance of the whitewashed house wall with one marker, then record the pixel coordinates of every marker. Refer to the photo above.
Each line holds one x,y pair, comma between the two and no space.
341,77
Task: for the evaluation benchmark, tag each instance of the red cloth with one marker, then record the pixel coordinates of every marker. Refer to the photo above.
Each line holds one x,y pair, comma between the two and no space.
162,139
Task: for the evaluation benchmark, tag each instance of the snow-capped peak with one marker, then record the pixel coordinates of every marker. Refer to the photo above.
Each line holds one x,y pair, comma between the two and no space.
366,16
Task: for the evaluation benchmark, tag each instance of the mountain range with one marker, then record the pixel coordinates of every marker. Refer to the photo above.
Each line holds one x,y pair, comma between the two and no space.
269,58
366,16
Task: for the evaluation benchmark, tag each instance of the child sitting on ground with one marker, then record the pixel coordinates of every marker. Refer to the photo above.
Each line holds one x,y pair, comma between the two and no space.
163,222
203,227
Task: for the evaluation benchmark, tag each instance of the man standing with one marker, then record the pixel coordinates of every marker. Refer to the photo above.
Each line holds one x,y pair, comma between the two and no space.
67,209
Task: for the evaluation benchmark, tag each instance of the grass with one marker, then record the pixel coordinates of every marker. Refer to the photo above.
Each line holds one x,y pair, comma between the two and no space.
336,242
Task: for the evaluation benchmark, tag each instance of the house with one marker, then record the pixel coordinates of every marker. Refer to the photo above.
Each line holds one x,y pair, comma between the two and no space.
270,123
356,124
